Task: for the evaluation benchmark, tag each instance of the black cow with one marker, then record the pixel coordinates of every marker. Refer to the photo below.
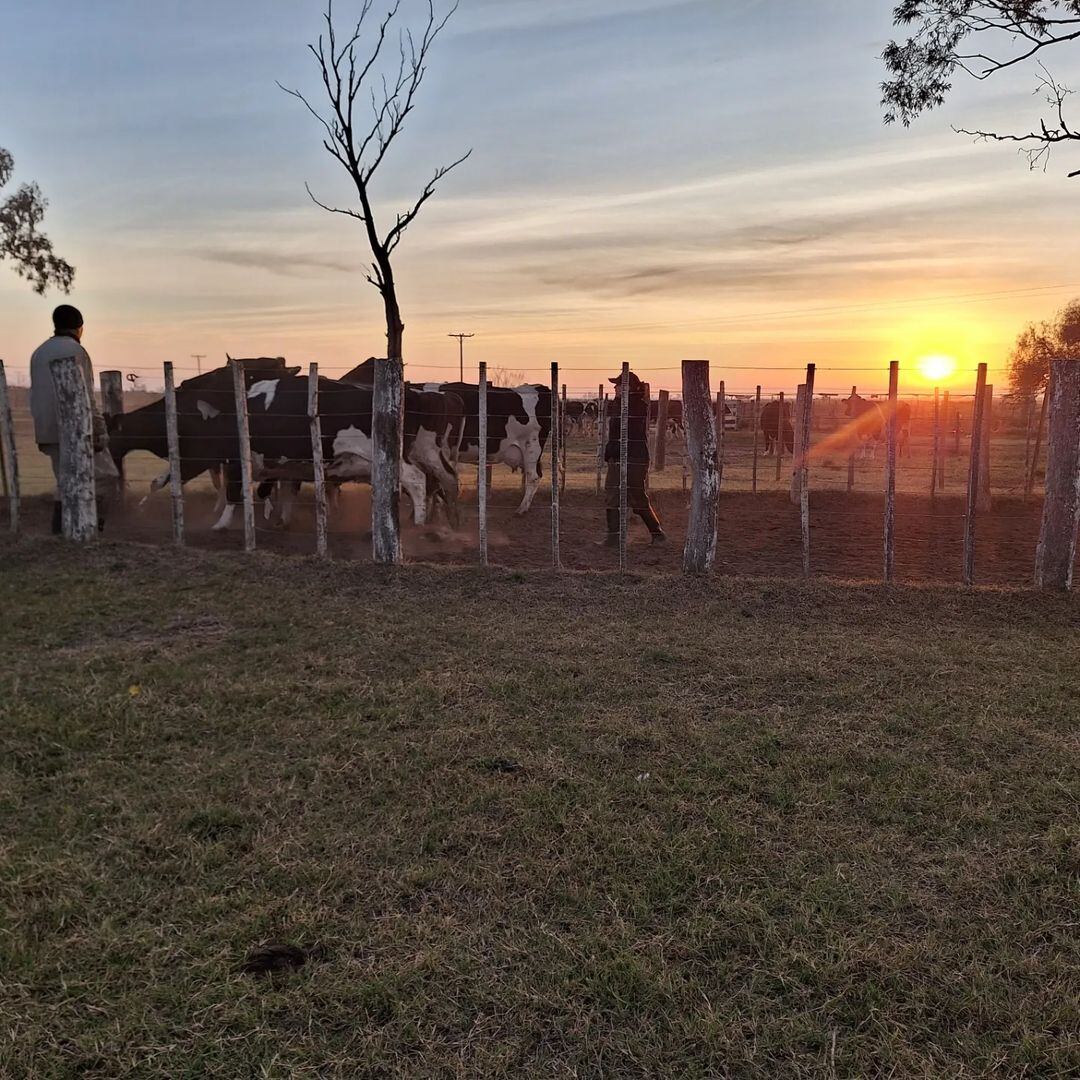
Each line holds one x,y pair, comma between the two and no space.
280,434
519,422
770,426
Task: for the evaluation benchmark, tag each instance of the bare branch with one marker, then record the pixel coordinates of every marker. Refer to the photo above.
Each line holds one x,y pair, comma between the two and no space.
403,220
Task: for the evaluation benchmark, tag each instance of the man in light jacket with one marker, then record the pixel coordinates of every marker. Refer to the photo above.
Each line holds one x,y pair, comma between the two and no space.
66,341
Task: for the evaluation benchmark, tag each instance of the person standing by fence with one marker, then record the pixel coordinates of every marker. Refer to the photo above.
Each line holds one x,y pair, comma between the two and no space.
66,341
637,468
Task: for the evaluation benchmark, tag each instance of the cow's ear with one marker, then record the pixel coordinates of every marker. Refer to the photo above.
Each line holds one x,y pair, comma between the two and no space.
293,370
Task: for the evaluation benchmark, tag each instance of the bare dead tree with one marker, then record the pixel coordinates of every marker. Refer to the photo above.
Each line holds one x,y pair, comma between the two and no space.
21,215
368,103
981,38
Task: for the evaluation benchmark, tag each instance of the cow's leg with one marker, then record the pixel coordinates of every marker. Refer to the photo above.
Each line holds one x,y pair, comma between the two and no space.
415,486
234,495
531,473
426,454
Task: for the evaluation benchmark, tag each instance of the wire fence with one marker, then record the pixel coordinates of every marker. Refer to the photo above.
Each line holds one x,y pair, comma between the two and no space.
846,481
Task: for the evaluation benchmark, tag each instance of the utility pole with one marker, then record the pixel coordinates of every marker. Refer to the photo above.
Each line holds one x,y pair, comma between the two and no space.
461,353
198,358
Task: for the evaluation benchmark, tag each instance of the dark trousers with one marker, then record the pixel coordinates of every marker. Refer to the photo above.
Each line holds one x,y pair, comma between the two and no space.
637,495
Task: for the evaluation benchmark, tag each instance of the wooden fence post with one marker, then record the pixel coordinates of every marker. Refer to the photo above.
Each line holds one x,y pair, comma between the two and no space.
556,436
172,439
956,433
8,453
851,455
1029,486
318,469
973,478
721,416
601,435
1056,552
660,441
797,450
387,430
779,436
481,465
757,424
76,484
112,404
807,420
243,435
985,500
890,473
941,453
699,418
935,460
624,450
562,442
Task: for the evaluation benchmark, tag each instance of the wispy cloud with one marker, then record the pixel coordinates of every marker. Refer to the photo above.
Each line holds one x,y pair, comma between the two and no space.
282,263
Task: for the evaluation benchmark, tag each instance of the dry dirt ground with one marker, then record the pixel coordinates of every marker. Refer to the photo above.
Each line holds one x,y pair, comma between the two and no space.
758,535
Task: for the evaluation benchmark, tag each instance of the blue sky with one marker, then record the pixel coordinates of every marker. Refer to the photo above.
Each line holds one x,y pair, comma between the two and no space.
650,180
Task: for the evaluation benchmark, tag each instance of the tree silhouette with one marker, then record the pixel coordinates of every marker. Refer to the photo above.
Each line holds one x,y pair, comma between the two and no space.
981,38
353,78
31,251
1038,344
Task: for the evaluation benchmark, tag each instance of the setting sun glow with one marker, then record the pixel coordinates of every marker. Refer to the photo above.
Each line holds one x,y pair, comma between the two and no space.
937,368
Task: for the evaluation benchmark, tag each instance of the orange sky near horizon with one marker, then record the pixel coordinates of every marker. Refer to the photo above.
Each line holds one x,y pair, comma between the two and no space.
638,191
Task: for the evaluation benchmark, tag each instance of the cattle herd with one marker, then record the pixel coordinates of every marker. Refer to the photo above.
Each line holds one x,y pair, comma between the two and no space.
441,432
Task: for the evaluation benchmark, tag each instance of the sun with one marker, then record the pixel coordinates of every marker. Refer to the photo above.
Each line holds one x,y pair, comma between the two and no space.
937,368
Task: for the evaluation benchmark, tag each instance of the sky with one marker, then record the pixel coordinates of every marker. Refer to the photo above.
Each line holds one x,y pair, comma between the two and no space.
650,181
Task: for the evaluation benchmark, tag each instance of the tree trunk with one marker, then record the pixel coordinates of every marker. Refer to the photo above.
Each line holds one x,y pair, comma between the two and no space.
1056,553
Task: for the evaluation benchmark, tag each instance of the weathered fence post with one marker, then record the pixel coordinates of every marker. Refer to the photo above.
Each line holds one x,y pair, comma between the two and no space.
935,459
973,477
797,450
806,424
387,430
699,418
1056,552
243,435
112,404
601,435
562,442
941,453
721,416
890,473
76,483
481,465
660,442
172,441
556,437
8,453
779,436
985,501
757,424
624,451
1033,468
853,443
318,470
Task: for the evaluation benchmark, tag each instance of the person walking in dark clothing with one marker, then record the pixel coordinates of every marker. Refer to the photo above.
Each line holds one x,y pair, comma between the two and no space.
637,462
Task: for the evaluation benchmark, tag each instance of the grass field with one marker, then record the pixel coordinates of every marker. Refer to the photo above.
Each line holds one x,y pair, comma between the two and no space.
593,826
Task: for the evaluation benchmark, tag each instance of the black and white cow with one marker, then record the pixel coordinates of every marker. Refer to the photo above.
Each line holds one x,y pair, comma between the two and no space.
519,422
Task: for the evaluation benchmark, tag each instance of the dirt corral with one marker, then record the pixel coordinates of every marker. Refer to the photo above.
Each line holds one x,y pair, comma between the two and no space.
758,534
